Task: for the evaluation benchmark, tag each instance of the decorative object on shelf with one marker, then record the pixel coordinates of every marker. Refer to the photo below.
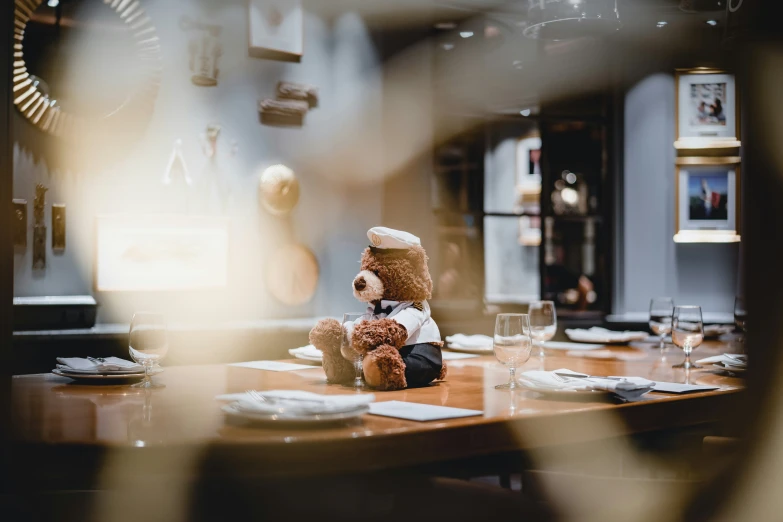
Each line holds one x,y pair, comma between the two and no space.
161,252
283,112
42,107
278,189
39,228
706,109
204,49
58,227
20,223
276,29
298,91
707,200
177,168
292,274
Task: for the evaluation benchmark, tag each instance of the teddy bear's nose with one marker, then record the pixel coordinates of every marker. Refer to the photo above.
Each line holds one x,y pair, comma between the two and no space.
359,283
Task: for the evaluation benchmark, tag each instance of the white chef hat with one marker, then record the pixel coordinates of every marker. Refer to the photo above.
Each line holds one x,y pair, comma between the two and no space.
382,237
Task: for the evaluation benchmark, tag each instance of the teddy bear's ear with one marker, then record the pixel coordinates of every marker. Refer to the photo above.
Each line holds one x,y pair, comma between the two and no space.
417,255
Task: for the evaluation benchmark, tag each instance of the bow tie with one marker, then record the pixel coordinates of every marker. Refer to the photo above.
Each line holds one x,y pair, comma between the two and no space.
378,310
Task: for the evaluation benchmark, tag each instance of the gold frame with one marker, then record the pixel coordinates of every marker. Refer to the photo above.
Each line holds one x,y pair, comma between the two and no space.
708,236
44,112
705,143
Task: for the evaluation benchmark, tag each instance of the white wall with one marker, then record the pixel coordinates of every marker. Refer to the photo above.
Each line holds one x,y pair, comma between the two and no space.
335,156
652,264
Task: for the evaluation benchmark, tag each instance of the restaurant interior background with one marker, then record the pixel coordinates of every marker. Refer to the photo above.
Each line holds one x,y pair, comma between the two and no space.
534,162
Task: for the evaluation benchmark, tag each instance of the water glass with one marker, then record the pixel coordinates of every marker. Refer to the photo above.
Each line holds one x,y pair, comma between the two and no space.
661,311
148,343
346,347
512,344
543,322
687,332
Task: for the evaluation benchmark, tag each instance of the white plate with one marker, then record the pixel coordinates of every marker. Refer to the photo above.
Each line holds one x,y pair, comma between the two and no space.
554,345
597,338
482,350
567,393
97,377
305,357
323,418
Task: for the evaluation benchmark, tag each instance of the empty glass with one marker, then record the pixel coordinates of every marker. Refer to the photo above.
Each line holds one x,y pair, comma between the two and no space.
512,344
661,311
148,342
543,322
687,332
346,347
740,316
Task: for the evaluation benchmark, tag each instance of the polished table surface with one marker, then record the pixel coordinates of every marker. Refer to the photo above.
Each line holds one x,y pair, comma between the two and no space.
52,412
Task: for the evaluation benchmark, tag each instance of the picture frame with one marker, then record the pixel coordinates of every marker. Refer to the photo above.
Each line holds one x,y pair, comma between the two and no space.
706,109
276,29
707,199
160,252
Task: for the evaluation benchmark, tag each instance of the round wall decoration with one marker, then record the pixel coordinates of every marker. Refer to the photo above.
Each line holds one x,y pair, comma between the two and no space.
278,189
85,39
292,274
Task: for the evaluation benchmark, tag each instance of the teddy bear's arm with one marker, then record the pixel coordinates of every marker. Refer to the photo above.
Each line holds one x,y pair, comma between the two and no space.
368,335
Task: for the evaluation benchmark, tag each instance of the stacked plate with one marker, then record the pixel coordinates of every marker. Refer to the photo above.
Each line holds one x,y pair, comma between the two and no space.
479,344
98,370
604,336
307,353
734,363
296,407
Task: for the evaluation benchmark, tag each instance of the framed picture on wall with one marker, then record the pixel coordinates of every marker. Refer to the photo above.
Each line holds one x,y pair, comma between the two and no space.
707,112
707,200
276,29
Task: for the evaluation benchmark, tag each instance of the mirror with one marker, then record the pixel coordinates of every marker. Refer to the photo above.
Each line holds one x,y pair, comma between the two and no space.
85,67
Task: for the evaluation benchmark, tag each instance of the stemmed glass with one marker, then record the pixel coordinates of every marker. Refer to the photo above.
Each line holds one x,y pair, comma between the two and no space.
543,322
512,344
661,311
687,332
346,347
148,343
740,316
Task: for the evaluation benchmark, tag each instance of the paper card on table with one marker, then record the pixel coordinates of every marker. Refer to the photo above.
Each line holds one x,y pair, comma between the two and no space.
274,366
419,412
452,356
675,387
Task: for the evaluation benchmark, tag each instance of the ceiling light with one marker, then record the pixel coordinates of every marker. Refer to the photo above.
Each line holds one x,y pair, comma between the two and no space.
525,112
570,196
661,23
53,3
448,46
445,26
571,178
466,34
713,23
517,64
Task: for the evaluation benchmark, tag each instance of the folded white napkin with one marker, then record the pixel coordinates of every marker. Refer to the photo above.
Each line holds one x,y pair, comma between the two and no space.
309,351
628,388
598,334
298,402
100,365
729,360
469,341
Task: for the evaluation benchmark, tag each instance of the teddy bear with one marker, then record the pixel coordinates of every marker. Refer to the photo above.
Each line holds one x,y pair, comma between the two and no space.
399,341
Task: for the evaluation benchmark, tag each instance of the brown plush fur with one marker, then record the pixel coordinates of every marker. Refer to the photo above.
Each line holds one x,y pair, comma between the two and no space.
370,334
390,367
327,335
404,273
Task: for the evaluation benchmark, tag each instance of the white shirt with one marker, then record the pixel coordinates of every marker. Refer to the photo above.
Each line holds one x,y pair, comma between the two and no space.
419,323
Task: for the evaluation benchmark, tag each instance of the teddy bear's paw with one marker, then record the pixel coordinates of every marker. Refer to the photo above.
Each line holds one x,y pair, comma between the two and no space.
368,335
326,335
443,371
384,369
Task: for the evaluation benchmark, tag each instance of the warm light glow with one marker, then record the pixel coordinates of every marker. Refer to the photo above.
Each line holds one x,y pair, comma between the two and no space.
53,3
525,112
466,34
569,196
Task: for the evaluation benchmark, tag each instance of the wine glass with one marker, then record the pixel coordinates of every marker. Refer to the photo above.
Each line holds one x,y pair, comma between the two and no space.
740,316
512,344
543,322
346,346
148,343
687,332
661,311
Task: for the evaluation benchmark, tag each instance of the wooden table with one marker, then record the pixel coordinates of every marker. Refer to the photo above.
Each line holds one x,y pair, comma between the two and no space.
61,425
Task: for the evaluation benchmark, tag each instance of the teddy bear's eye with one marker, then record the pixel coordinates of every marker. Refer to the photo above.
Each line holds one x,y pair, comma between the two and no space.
375,272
